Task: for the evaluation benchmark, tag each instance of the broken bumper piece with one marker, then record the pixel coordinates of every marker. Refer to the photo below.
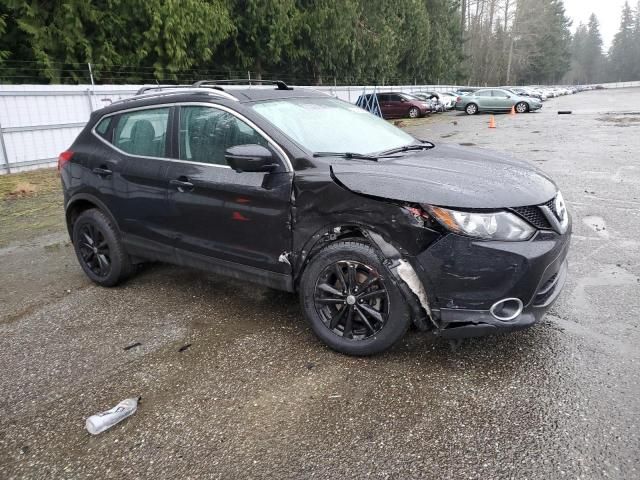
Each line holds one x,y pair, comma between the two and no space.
483,288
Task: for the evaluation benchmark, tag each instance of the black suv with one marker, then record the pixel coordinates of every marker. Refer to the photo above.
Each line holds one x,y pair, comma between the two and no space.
299,191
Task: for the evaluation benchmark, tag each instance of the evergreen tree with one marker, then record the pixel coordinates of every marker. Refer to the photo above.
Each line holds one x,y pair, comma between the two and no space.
162,38
577,73
636,43
354,41
325,43
264,32
622,52
445,58
592,56
3,27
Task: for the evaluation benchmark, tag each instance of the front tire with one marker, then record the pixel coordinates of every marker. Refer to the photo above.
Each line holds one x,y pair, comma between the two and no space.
350,301
471,109
99,250
414,112
522,107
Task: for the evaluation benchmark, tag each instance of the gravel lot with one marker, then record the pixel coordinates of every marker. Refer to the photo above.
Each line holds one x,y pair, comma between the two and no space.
257,396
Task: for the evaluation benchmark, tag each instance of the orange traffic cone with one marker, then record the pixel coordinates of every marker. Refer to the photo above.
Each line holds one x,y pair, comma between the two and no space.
492,122
513,110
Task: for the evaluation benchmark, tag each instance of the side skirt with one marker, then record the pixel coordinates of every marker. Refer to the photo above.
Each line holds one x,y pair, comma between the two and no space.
149,250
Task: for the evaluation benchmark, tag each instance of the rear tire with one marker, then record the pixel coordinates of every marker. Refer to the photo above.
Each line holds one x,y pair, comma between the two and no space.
471,109
350,301
99,249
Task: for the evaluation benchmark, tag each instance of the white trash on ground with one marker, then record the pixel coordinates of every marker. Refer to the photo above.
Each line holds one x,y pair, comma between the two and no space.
99,422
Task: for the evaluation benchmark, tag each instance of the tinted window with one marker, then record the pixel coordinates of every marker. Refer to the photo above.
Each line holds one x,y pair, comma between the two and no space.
206,133
395,98
142,132
103,127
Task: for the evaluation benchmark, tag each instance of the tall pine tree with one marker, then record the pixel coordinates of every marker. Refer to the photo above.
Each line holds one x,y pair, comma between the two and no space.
622,52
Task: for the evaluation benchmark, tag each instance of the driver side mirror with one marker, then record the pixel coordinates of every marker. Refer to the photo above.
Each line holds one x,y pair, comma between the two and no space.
250,158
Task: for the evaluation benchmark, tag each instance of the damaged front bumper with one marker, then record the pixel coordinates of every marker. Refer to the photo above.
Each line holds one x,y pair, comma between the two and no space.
467,279
463,323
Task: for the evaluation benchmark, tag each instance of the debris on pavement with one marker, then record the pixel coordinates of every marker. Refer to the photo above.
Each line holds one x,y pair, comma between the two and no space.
100,422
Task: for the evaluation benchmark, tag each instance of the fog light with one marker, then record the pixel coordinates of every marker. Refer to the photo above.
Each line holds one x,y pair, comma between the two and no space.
506,309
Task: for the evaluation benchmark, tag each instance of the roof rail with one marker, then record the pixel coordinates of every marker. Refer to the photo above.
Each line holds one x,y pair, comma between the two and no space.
148,88
177,89
280,85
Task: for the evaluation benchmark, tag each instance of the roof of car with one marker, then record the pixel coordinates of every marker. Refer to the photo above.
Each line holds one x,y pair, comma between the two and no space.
150,96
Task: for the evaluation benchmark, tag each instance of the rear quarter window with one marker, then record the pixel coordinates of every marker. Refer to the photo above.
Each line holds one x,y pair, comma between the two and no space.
102,128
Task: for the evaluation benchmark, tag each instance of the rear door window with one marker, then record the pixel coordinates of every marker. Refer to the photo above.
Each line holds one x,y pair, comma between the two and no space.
143,132
206,133
483,93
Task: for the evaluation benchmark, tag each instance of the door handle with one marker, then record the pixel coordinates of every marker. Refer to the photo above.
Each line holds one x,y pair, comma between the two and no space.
102,171
182,184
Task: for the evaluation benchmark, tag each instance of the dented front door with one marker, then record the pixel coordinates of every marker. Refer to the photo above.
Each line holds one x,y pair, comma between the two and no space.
236,218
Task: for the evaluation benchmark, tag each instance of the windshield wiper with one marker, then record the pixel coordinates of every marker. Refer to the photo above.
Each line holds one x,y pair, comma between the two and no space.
423,146
357,156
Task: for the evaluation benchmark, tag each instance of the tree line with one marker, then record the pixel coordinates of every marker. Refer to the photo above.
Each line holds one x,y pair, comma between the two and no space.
311,41
620,64
493,42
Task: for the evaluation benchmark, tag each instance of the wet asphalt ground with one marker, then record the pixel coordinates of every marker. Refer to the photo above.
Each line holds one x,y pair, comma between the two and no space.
255,395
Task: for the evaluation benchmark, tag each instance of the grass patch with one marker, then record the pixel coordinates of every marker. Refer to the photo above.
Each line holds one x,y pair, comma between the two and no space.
31,205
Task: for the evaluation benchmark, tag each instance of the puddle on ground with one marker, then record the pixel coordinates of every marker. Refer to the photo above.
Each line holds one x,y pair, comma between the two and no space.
621,119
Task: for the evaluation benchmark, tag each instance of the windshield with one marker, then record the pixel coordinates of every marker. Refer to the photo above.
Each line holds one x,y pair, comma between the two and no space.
331,125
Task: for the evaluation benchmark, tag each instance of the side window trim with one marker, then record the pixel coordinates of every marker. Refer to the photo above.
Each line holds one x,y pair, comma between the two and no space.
118,118
283,157
273,146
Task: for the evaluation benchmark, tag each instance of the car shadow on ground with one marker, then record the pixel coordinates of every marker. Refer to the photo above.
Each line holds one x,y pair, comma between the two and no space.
264,310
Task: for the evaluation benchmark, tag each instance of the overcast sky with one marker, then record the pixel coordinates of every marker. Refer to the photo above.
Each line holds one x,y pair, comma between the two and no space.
607,11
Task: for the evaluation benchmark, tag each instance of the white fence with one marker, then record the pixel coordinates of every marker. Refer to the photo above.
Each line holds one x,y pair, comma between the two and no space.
37,122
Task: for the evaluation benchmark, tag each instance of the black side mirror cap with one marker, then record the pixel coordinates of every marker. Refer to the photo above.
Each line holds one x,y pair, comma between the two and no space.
250,158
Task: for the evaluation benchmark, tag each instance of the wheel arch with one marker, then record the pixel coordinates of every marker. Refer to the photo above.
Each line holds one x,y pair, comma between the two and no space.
392,255
82,202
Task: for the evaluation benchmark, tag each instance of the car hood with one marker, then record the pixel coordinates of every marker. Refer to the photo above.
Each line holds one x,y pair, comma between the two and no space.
449,176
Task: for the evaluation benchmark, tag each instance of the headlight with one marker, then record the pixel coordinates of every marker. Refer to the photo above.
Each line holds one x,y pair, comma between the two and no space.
486,225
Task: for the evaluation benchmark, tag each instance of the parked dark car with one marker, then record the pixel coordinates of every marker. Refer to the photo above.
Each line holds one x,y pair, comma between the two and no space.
398,105
302,192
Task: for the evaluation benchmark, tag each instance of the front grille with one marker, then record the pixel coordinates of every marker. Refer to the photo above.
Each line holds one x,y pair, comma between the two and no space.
551,205
534,216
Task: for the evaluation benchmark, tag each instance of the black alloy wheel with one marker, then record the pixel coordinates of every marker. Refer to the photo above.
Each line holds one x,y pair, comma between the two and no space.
100,251
351,300
94,250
